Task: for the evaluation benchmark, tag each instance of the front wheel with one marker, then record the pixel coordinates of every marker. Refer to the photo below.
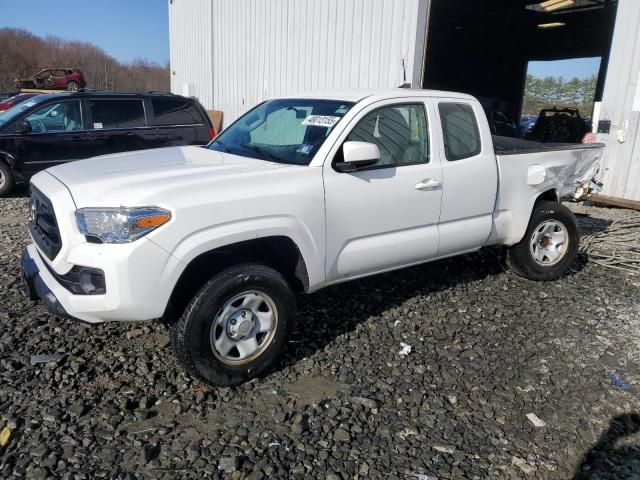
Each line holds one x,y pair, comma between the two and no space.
236,325
73,86
550,245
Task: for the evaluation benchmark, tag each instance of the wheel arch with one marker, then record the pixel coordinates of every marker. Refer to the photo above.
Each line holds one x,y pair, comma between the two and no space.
550,195
279,252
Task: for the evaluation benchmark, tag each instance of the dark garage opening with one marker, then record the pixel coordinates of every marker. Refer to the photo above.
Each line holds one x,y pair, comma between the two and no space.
482,47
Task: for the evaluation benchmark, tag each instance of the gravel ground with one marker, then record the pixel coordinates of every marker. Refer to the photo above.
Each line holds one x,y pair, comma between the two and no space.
425,374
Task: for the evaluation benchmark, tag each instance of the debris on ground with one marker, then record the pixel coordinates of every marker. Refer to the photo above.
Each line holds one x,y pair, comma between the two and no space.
406,349
5,435
533,418
445,449
618,245
618,382
49,359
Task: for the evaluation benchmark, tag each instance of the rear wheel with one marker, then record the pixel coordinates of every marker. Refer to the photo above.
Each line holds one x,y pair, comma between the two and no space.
73,86
549,246
7,181
236,325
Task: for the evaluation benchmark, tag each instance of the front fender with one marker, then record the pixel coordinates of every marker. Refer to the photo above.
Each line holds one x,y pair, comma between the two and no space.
217,236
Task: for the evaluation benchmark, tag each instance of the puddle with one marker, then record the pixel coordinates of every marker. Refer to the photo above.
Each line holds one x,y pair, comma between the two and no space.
310,390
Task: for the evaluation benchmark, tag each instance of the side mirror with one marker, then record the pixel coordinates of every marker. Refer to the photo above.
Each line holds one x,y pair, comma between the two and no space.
24,127
357,155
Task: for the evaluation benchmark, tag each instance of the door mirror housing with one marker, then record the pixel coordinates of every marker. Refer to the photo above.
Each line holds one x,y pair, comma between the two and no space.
358,155
24,127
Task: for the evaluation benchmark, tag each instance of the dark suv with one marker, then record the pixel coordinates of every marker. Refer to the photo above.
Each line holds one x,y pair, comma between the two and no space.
50,129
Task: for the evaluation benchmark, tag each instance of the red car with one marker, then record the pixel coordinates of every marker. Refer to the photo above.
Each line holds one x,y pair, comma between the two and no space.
70,79
16,99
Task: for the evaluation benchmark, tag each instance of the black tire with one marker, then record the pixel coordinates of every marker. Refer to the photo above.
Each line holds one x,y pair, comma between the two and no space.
7,182
190,335
520,258
73,86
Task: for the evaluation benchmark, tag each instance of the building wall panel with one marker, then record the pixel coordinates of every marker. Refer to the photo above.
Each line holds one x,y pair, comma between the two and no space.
190,49
280,47
622,157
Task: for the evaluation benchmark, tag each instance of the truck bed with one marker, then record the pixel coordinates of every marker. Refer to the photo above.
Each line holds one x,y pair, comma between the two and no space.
529,169
515,146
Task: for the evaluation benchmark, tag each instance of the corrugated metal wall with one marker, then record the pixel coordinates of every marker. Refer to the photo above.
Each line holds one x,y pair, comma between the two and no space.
190,52
278,47
621,105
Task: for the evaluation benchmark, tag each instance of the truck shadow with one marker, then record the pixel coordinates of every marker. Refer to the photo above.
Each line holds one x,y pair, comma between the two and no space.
328,314
590,225
613,456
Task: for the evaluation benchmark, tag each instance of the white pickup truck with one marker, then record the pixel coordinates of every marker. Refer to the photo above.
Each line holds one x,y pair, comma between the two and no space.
299,193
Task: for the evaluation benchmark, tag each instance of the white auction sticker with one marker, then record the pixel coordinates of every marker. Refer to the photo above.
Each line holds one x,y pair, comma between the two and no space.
97,125
321,121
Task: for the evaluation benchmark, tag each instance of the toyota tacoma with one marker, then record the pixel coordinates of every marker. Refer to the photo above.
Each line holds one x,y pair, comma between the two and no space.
299,193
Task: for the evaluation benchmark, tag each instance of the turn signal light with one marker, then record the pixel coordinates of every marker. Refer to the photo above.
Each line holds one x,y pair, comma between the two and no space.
153,221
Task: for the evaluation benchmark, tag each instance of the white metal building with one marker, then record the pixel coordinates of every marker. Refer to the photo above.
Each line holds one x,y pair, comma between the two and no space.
232,54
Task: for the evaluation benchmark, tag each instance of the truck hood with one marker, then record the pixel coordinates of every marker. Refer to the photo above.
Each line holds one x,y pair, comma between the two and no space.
125,179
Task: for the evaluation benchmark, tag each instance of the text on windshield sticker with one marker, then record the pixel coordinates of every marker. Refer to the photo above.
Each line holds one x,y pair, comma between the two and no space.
321,121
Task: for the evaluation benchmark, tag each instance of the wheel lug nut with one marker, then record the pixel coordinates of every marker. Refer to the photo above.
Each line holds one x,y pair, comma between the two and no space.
233,321
244,314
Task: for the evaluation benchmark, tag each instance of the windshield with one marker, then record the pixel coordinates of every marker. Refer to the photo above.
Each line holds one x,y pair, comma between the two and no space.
11,113
284,131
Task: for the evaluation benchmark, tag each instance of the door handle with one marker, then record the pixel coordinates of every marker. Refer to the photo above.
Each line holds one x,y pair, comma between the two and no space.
429,184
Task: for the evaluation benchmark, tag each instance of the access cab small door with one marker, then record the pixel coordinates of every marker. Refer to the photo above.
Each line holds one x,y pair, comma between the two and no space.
385,215
469,175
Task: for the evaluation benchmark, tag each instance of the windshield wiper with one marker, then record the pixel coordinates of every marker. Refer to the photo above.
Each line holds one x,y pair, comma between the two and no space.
262,152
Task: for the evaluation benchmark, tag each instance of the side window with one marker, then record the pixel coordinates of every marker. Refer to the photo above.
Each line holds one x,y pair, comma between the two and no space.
57,117
117,113
460,129
399,131
170,111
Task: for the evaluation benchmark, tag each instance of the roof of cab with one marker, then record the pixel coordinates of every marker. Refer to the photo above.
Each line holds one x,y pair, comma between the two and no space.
379,94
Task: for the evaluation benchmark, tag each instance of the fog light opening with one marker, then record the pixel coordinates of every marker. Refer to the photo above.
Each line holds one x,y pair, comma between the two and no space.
92,281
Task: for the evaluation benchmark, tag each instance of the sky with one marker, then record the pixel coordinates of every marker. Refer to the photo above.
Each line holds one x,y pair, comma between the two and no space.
577,67
125,29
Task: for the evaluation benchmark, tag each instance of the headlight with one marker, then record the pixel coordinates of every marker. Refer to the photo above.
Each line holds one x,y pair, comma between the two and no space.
120,225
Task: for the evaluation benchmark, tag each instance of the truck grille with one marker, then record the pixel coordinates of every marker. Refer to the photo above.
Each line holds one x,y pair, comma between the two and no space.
43,225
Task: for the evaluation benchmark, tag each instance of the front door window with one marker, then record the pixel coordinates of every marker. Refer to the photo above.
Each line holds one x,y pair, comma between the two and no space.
57,117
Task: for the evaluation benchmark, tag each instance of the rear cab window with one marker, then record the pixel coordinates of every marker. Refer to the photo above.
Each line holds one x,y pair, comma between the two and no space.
175,111
461,134
117,113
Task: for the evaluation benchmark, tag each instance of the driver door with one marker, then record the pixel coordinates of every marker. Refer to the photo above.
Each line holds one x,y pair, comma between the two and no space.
58,135
386,215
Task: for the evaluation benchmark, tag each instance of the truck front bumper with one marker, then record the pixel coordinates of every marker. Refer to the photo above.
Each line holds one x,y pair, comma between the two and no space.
36,289
137,287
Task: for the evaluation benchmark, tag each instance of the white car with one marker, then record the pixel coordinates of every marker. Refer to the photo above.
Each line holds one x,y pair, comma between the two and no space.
298,194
